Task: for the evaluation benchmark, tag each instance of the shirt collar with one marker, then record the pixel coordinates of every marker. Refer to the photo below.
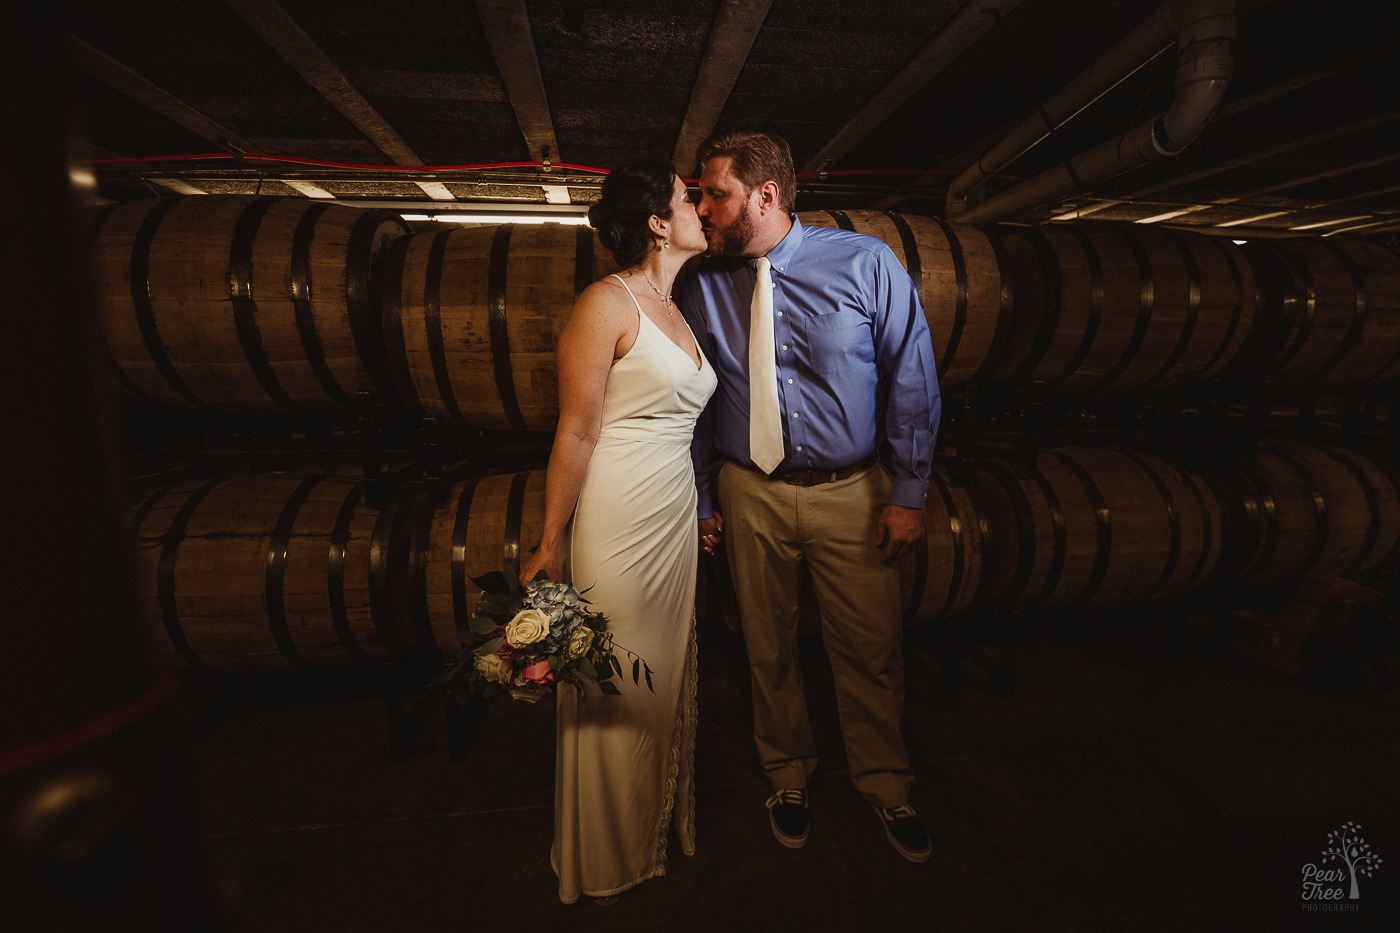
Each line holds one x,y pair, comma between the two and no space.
783,253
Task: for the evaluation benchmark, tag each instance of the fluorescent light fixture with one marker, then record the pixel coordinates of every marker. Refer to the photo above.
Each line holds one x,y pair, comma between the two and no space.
1249,220
1167,216
1239,242
556,194
177,186
1332,223
521,218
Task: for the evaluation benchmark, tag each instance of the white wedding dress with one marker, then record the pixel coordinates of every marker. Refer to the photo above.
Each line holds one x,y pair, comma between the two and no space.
625,764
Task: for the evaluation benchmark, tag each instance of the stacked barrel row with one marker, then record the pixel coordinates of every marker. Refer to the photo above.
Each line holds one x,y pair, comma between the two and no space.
275,571
272,305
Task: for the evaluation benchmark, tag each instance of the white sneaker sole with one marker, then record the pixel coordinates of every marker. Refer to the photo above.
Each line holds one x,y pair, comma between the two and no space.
918,857
791,842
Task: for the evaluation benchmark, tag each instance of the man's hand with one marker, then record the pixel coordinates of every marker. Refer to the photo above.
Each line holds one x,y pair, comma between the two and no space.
711,530
900,528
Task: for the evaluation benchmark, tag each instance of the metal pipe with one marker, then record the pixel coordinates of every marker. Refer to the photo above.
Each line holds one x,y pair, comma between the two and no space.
1205,32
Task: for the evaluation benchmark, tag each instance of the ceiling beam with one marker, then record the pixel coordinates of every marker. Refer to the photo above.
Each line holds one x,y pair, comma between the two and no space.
966,26
1283,186
287,39
507,25
175,184
731,38
1296,82
121,78
1240,162
277,28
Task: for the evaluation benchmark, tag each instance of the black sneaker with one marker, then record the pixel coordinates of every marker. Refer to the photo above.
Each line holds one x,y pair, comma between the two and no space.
787,815
906,833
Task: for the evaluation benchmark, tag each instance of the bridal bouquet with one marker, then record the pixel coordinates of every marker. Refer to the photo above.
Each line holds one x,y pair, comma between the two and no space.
524,641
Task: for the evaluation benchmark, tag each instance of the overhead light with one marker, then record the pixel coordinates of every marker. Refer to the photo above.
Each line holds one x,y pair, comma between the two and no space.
1331,223
1167,216
1249,220
520,218
1239,242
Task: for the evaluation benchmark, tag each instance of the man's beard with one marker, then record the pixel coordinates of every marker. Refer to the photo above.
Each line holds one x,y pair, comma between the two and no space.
735,238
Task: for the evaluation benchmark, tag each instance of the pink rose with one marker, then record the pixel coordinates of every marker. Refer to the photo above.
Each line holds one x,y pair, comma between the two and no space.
537,673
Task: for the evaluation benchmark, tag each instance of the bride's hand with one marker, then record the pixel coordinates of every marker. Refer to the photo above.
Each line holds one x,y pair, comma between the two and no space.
711,530
546,559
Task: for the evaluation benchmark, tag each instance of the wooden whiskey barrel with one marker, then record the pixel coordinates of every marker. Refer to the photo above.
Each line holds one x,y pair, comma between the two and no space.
1096,527
938,580
963,277
240,304
1310,510
474,528
1112,309
471,318
1337,307
267,572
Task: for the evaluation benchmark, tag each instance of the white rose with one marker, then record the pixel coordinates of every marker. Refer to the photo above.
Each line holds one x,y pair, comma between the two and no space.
579,642
494,668
528,627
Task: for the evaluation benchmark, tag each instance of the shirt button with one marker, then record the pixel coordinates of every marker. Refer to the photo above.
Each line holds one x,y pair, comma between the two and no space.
784,346
789,382
794,414
780,314
799,446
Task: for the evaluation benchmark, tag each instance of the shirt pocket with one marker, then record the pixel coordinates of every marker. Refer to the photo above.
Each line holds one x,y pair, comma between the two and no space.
838,341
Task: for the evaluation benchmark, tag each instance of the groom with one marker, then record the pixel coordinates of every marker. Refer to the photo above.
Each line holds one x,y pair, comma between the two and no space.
806,327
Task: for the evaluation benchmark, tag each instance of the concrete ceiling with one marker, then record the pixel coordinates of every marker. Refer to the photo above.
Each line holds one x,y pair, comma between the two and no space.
1306,141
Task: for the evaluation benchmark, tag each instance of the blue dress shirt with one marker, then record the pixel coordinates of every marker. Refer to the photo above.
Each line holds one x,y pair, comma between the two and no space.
847,319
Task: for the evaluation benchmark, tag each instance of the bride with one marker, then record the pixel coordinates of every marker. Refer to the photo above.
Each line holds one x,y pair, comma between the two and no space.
632,381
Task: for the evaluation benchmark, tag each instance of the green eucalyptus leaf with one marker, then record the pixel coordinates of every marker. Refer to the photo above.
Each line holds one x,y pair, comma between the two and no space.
636,670
648,673
482,625
490,647
586,668
608,687
493,582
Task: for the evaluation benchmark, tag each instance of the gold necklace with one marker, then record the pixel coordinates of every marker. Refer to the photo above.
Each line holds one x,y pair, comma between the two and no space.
665,299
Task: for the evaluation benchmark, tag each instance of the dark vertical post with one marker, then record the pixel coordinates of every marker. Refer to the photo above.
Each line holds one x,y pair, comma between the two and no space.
96,812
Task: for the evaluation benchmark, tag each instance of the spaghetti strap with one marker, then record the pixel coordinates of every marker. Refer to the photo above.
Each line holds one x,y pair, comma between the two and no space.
635,302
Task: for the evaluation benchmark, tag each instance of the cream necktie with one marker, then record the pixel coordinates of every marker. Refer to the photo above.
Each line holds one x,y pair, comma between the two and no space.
765,422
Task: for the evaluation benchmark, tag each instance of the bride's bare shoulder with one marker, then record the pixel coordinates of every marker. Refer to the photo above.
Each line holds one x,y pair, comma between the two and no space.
605,296
604,303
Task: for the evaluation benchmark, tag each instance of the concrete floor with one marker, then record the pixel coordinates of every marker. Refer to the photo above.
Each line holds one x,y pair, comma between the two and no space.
1112,791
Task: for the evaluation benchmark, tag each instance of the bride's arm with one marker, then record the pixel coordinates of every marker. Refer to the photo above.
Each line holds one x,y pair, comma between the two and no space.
588,344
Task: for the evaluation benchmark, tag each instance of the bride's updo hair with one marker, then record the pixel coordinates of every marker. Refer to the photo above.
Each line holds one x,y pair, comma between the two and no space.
632,193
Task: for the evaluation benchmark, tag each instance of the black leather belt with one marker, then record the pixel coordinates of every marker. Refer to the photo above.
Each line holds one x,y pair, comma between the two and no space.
812,477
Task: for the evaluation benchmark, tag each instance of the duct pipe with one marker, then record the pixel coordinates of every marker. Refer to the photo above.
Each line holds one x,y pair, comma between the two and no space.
1205,32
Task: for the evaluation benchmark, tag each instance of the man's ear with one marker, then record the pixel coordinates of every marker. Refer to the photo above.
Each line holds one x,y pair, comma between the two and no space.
767,197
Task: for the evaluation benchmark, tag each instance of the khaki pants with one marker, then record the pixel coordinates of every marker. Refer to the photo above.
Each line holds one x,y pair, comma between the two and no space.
770,528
